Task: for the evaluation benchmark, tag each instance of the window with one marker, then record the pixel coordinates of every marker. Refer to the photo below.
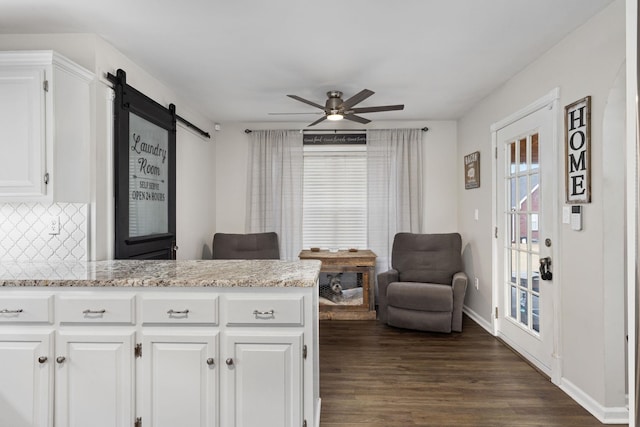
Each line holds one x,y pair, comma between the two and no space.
335,196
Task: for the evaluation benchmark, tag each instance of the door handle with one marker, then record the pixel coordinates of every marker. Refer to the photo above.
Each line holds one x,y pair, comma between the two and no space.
174,249
545,268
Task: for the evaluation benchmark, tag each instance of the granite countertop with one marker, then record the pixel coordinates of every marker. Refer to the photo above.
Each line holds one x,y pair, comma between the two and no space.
130,273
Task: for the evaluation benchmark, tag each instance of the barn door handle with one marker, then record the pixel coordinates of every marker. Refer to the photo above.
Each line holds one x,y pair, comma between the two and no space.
174,249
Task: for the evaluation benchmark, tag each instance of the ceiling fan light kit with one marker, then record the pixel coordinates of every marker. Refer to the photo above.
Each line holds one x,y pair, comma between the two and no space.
334,116
337,109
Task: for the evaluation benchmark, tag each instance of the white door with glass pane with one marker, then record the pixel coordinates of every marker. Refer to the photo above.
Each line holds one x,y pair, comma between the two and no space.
525,193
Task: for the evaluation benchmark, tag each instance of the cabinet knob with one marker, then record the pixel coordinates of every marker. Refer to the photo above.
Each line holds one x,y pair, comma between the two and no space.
210,361
42,359
60,359
229,362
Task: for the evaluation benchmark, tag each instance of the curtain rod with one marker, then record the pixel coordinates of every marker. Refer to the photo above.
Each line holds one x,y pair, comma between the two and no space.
424,129
115,80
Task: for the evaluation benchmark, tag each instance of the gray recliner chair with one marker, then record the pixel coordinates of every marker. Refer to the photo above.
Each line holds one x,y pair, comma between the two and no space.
425,288
246,246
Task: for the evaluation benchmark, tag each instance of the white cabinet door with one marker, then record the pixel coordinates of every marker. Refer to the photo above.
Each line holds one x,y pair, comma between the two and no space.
25,373
180,380
94,377
22,132
45,128
263,379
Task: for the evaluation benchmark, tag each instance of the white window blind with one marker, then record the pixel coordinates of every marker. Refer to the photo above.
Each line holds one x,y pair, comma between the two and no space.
335,197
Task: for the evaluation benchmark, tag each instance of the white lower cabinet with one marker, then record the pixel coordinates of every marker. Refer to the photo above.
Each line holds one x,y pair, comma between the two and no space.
94,379
180,379
88,378
264,379
25,379
148,358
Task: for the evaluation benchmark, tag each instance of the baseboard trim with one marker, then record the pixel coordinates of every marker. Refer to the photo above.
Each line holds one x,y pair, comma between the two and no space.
316,422
478,319
606,415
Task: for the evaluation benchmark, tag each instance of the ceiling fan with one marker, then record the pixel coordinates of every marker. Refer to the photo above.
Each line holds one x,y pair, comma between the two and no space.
337,109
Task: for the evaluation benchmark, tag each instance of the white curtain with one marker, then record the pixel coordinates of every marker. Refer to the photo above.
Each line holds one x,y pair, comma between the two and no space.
274,184
394,191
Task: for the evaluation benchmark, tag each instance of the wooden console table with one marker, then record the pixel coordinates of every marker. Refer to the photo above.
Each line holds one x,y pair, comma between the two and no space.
361,262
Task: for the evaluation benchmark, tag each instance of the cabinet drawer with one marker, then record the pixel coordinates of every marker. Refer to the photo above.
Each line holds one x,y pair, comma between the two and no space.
82,309
26,309
266,311
202,310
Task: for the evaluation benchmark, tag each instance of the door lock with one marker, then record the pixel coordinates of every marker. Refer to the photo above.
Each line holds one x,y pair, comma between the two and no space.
545,268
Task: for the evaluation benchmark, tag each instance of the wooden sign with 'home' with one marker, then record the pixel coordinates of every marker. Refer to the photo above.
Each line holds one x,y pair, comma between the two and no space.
577,131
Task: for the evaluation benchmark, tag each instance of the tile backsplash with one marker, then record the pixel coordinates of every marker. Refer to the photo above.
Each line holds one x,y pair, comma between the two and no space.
24,232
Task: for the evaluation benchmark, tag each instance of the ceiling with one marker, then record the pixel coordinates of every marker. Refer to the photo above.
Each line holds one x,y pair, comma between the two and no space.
237,59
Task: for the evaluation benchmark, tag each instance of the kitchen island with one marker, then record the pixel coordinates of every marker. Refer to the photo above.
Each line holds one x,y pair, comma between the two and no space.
159,343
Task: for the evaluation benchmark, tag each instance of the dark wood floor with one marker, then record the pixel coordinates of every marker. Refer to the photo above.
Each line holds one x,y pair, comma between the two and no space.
377,376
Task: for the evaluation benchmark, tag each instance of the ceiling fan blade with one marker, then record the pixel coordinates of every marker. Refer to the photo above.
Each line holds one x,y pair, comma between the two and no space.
358,97
297,98
355,118
318,121
290,114
377,109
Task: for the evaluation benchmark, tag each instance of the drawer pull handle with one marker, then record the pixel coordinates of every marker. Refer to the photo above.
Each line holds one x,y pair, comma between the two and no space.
87,311
210,361
172,311
60,359
42,359
264,313
229,362
7,311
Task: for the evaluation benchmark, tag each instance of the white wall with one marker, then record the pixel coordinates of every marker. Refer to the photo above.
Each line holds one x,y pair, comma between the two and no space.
585,63
195,157
613,194
441,176
632,217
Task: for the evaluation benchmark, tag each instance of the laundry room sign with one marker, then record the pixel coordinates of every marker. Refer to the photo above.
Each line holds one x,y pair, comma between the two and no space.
148,177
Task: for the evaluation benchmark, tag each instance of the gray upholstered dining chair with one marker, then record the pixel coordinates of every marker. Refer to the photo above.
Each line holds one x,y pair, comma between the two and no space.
426,286
246,246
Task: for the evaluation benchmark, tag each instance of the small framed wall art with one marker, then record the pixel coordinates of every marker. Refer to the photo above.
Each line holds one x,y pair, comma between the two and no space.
472,170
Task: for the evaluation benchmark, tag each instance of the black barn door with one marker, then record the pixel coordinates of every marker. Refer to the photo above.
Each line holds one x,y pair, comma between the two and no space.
145,174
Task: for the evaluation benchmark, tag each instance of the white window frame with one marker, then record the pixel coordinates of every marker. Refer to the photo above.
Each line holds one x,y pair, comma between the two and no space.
356,232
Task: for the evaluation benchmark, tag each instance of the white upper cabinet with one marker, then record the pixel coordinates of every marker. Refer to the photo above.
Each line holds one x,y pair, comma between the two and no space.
45,128
22,131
